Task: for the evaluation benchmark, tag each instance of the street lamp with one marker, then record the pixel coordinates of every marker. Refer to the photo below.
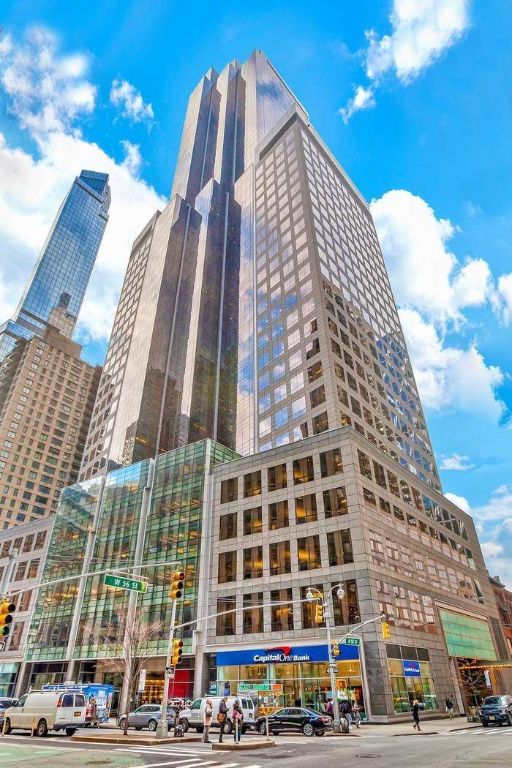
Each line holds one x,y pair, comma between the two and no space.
314,594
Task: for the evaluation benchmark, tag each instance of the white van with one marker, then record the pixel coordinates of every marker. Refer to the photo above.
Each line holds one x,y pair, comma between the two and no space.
47,711
192,717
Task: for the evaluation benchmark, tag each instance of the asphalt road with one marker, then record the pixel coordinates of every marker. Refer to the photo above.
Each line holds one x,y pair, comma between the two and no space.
476,748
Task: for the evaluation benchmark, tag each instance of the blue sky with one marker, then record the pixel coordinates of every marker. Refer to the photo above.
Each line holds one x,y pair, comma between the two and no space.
414,100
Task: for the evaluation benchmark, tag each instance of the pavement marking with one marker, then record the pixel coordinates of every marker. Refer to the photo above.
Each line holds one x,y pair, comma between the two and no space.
173,763
159,751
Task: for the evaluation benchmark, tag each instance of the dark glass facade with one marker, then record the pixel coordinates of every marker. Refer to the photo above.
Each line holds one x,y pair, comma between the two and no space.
57,286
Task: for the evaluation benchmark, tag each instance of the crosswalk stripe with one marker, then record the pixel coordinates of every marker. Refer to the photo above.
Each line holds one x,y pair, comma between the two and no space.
173,763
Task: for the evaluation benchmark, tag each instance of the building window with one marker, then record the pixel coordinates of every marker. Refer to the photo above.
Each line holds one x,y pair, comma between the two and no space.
317,396
303,471
278,515
308,607
227,567
226,625
315,371
281,615
305,509
380,475
369,497
252,521
330,463
229,490
346,611
253,613
227,526
364,465
253,563
277,477
16,635
279,555
308,552
320,423
33,569
252,484
339,545
335,502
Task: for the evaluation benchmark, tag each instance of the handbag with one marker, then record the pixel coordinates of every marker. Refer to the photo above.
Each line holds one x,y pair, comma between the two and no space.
221,717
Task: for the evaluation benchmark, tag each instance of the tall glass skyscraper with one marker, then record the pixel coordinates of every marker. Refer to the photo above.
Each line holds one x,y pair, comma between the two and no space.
55,291
256,307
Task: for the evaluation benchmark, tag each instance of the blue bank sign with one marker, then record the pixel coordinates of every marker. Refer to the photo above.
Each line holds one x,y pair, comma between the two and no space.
284,654
411,668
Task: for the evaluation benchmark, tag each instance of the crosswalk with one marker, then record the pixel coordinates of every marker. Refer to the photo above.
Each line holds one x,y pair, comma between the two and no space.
481,731
181,757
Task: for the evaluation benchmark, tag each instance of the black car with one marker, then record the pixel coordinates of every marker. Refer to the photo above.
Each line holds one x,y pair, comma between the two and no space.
301,719
5,703
496,710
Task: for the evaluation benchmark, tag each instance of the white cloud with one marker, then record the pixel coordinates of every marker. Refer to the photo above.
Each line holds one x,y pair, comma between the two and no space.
459,501
502,299
456,463
32,186
424,273
421,30
125,96
363,98
491,549
47,90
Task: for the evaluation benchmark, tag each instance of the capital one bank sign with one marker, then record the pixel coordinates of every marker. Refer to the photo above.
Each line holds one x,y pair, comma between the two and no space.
283,654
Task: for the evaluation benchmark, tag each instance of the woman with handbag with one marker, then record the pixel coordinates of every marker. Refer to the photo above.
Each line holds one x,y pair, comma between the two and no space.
222,716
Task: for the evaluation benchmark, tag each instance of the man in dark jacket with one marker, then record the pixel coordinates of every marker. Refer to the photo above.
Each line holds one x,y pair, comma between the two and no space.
222,716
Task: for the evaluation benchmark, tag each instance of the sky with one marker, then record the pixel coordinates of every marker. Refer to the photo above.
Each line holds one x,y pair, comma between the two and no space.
412,96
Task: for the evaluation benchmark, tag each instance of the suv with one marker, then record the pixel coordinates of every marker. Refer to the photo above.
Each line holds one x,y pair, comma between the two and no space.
496,709
147,716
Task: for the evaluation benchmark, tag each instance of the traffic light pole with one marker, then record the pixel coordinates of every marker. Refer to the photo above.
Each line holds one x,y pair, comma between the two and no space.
332,673
162,730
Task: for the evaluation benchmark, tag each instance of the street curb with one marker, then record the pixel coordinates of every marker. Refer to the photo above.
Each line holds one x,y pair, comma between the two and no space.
137,740
331,734
241,747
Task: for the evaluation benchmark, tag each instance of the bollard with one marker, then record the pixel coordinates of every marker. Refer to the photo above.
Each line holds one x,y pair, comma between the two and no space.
266,726
4,726
33,727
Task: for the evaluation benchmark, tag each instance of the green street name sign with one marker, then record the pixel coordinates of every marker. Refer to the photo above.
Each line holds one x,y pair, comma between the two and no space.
352,641
121,582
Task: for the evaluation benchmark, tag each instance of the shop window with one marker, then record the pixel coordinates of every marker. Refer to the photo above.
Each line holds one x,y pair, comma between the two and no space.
226,624
252,521
253,563
330,463
308,552
252,484
227,567
308,607
277,477
281,615
320,423
335,502
229,490
346,611
227,526
317,396
315,371
303,471
253,613
339,545
364,465
279,556
278,515
305,509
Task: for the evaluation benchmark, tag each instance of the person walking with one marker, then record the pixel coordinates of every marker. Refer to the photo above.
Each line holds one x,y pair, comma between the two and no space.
329,709
449,707
346,711
222,716
207,720
356,712
416,714
238,718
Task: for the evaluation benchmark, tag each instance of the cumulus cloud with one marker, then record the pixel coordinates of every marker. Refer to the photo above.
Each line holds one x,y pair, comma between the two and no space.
33,185
459,501
456,463
421,30
129,100
502,299
363,98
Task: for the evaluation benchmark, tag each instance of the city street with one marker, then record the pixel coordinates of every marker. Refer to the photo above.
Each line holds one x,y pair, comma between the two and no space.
470,747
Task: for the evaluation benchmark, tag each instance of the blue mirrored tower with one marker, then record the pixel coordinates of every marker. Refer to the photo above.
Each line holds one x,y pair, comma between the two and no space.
56,289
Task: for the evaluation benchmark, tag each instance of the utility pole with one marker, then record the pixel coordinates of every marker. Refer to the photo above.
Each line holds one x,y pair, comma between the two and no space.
162,730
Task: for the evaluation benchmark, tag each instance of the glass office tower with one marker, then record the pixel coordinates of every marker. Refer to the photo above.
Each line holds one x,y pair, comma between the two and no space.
256,308
55,291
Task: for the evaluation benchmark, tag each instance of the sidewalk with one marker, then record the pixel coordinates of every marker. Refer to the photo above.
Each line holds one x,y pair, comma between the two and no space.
404,729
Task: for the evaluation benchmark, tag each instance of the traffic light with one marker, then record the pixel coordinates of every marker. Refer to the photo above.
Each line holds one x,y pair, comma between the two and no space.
386,634
177,651
177,583
335,649
6,610
319,613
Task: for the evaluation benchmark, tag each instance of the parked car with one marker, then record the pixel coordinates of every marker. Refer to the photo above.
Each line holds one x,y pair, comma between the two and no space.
192,717
147,716
47,711
301,719
5,704
496,709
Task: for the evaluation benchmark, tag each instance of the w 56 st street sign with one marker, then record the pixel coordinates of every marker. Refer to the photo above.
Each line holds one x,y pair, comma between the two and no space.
121,582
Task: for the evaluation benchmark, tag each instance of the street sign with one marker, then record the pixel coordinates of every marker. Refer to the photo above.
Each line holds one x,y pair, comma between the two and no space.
351,641
170,672
121,582
334,668
142,681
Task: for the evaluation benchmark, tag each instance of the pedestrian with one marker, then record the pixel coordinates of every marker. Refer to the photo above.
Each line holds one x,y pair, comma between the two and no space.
222,716
346,710
238,718
329,709
449,707
356,713
416,714
207,721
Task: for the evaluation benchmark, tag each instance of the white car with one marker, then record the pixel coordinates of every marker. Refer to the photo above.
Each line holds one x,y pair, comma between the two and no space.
47,711
192,717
